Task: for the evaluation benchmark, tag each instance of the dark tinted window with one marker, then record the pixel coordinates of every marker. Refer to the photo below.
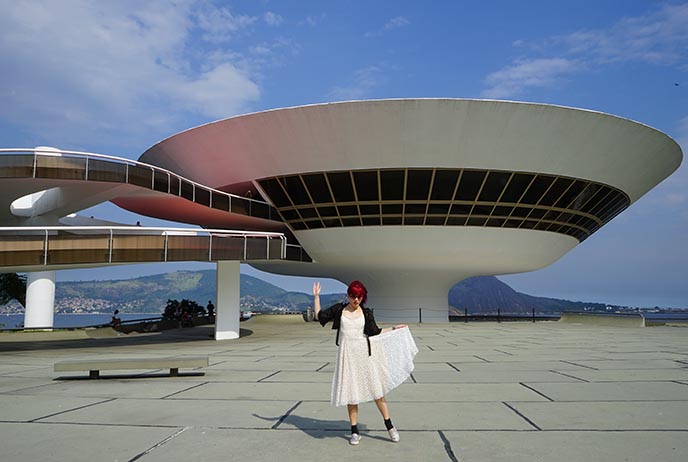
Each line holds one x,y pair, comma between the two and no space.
273,189
574,190
418,184
494,185
555,191
392,209
537,188
392,184
341,186
294,187
345,210
444,184
366,185
469,185
317,186
516,187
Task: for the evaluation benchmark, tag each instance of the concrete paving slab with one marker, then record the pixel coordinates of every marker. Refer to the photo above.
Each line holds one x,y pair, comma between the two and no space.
28,408
633,375
569,446
113,388
178,413
259,391
634,364
409,417
512,376
615,391
519,366
465,392
423,411
443,357
60,443
295,445
300,377
267,365
643,415
17,384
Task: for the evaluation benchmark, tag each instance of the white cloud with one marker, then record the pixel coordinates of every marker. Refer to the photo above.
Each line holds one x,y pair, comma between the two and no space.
312,20
122,69
218,23
514,79
273,19
394,23
658,38
364,81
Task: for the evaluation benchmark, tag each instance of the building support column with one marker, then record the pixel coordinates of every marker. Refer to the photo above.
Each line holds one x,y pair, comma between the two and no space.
228,295
40,300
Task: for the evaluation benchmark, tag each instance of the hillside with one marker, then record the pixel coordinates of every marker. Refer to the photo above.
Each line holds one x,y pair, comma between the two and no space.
149,294
486,294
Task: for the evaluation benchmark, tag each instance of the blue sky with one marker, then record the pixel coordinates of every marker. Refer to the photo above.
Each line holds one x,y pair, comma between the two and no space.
116,77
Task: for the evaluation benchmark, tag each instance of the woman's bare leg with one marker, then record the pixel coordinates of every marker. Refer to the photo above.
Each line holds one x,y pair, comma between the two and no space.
382,407
353,413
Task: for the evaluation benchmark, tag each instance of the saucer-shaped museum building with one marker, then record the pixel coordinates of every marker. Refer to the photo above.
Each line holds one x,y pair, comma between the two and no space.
413,195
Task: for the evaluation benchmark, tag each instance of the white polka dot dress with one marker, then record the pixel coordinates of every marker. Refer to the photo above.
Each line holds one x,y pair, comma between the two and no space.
358,377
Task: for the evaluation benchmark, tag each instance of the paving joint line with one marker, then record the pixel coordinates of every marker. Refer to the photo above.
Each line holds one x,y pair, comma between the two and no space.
536,391
153,448
185,389
267,377
322,367
38,419
453,367
570,376
522,416
286,414
579,365
447,447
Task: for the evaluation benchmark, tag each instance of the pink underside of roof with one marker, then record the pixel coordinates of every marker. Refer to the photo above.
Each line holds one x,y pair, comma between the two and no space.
184,211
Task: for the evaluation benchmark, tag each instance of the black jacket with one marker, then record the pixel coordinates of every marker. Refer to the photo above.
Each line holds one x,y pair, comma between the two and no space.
334,314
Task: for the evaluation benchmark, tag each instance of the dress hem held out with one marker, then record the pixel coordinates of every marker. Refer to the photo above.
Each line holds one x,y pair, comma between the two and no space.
358,377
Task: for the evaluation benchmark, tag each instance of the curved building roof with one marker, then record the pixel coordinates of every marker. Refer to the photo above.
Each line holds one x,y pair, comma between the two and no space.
412,195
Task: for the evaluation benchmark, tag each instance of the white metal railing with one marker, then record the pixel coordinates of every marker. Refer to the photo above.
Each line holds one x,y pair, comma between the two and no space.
50,152
112,232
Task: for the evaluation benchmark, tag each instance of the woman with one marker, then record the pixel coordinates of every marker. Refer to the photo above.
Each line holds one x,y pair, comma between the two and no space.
366,368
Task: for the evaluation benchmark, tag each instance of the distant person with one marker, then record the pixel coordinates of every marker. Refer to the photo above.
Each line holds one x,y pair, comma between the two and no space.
138,223
211,311
370,361
116,321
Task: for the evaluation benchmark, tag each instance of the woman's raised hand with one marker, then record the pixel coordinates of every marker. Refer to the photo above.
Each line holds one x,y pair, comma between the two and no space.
316,289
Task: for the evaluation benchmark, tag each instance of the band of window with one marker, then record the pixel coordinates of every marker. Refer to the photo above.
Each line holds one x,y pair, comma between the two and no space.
444,197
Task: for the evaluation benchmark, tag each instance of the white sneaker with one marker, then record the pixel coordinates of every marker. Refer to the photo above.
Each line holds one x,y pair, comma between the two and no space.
355,439
394,434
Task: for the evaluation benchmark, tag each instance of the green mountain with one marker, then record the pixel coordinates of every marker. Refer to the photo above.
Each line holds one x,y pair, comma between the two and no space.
487,294
149,294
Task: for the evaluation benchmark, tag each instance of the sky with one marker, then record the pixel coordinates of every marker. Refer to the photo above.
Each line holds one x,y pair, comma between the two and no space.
115,77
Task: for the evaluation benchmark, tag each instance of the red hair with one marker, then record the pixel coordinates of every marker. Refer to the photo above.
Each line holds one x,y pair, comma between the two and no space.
357,289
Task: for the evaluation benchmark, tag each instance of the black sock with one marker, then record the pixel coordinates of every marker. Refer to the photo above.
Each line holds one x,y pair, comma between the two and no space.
388,424
354,429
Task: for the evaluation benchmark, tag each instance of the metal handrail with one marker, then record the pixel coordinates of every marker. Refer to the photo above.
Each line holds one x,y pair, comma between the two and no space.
128,162
136,231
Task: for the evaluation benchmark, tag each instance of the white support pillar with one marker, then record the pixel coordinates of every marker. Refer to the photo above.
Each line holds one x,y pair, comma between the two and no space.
228,311
40,299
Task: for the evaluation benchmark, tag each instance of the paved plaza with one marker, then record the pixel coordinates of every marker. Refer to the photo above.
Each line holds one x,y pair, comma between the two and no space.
481,392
